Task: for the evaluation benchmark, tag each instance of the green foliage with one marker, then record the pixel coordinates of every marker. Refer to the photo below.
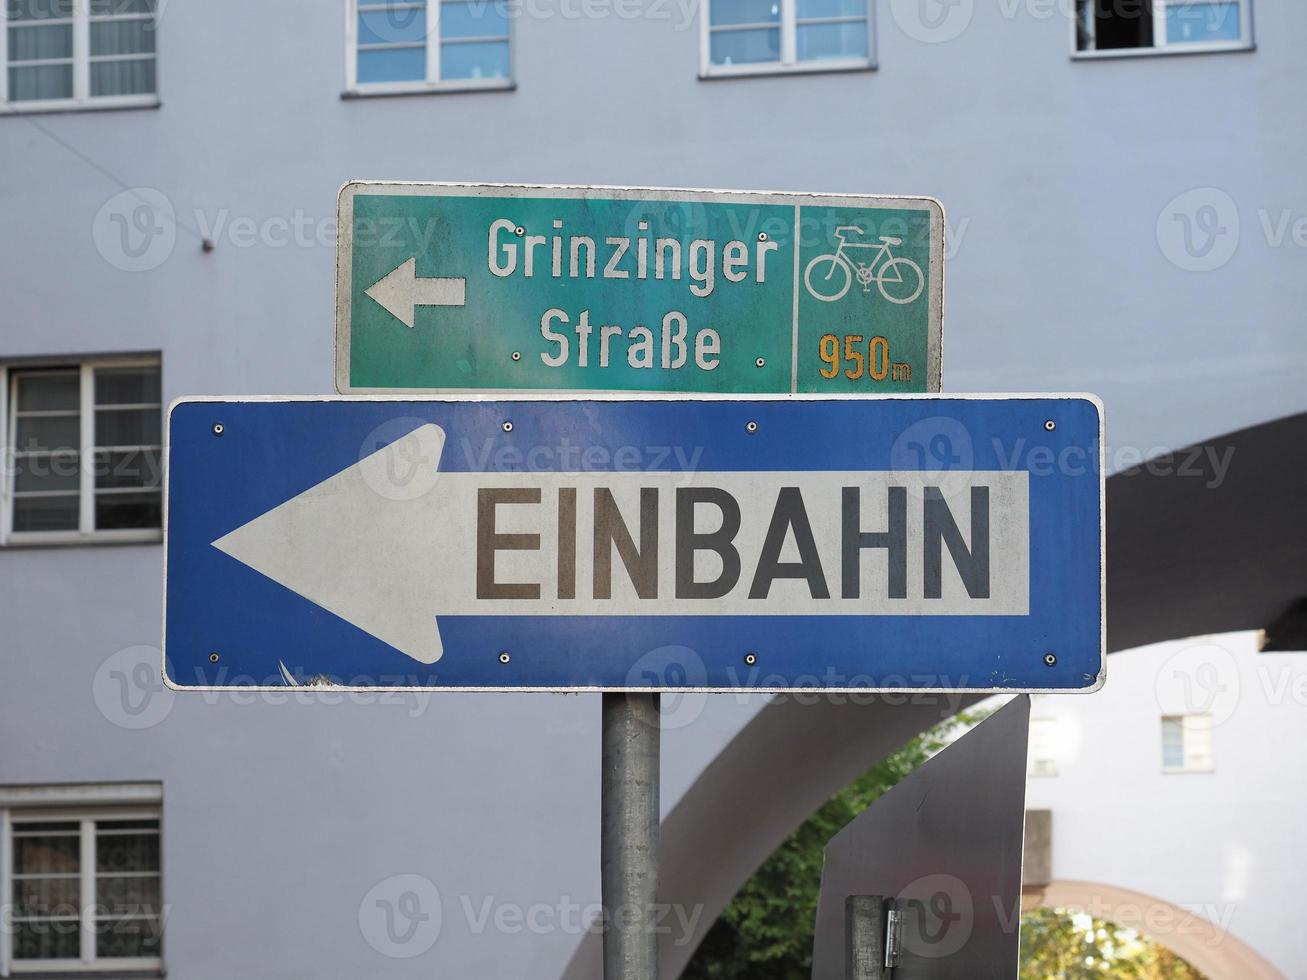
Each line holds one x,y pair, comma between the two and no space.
765,933
1060,945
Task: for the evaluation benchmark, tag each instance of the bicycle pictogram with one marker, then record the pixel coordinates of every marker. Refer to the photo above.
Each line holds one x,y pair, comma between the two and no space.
829,277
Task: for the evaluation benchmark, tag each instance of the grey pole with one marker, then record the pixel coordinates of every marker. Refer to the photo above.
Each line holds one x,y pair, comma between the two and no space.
864,931
628,848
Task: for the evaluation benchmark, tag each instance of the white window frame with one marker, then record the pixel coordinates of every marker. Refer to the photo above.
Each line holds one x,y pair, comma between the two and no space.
433,82
789,63
81,98
86,492
84,804
1190,763
1160,44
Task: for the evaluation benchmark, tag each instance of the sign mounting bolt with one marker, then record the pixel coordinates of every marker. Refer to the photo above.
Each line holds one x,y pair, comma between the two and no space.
1050,659
508,426
1050,425
762,236
750,659
214,658
517,355
519,231
760,361
504,657
219,428
751,427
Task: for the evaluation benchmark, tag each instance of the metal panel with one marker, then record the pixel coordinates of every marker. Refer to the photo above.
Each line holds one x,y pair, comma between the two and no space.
875,544
489,287
945,845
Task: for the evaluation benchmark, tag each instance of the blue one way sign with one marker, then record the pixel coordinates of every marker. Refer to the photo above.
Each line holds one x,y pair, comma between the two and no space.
636,543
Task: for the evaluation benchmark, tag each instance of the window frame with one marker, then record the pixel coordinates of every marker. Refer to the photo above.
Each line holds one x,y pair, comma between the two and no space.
1161,46
1187,766
85,805
788,63
81,98
87,367
433,84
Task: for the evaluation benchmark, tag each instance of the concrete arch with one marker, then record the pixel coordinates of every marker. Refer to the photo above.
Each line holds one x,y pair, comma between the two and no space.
1204,944
1208,541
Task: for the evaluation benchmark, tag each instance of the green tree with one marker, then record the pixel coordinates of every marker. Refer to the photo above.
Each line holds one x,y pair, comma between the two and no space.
1057,944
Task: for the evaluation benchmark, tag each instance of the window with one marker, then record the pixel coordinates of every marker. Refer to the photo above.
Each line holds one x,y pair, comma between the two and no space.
743,37
1187,744
1113,27
428,45
83,887
62,54
1043,747
84,452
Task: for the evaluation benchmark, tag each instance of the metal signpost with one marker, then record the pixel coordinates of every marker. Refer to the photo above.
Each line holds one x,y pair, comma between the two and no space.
635,544
476,287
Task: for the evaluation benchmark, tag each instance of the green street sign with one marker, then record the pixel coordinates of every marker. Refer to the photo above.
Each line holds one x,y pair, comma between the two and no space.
479,287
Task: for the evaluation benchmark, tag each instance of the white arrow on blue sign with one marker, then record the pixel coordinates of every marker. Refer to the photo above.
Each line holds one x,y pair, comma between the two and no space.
636,543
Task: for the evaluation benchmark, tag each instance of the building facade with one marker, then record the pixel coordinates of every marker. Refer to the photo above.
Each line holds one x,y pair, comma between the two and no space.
1125,215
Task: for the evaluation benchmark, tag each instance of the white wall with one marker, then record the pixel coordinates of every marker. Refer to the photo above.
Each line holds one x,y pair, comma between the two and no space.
1226,843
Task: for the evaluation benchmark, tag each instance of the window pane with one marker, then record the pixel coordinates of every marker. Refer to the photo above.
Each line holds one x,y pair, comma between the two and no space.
47,940
43,41
128,511
809,9
127,386
40,82
48,432
123,77
47,472
460,61
392,26
127,896
126,852
475,19
39,9
47,897
818,42
134,468
1122,25
100,8
137,937
395,65
45,514
725,12
746,47
122,37
47,854
48,392
128,427
1187,23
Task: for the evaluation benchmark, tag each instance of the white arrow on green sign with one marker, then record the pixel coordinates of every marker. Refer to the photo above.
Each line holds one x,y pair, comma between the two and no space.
478,287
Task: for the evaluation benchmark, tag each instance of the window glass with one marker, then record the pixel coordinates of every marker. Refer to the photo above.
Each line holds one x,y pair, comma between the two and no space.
746,47
821,41
727,12
474,60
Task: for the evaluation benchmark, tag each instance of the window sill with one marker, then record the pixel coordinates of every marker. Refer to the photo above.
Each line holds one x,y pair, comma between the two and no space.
1189,772
718,72
56,539
1112,54
73,105
430,88
100,973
